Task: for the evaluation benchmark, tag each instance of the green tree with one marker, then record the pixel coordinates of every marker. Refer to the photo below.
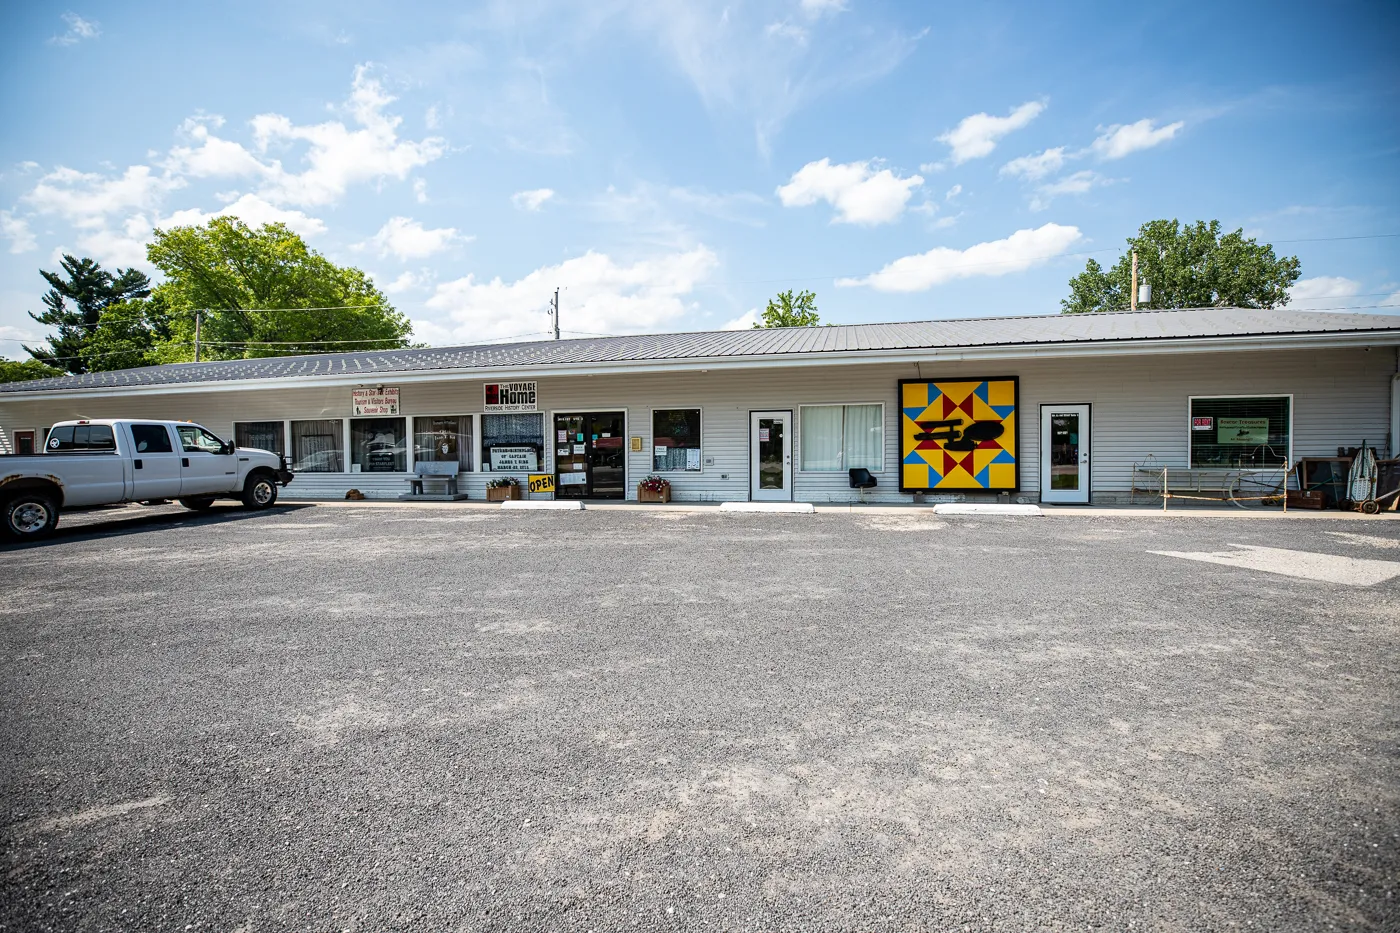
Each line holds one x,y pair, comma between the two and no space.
91,290
789,310
1191,266
263,293
128,335
20,370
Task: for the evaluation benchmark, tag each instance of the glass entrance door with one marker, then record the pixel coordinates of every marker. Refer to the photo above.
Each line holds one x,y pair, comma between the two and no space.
590,459
1064,453
770,456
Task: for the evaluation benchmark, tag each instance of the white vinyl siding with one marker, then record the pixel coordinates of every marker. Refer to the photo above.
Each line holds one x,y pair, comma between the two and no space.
1141,406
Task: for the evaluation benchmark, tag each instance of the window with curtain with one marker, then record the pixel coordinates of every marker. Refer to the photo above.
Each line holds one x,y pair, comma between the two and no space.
263,435
378,445
675,439
1240,432
316,447
443,439
836,438
512,443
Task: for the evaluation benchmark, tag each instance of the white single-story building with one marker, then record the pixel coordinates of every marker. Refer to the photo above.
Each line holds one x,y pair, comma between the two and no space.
1045,408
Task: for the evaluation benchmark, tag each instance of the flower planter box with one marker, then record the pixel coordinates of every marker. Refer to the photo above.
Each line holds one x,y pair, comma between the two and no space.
647,495
502,493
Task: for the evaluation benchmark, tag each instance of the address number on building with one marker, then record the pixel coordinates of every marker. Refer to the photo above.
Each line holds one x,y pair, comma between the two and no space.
541,482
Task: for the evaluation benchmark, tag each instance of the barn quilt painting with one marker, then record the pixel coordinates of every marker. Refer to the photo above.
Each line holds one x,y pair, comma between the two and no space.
958,435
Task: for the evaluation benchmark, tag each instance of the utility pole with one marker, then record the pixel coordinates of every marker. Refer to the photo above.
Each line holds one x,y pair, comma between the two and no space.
197,316
1134,296
555,314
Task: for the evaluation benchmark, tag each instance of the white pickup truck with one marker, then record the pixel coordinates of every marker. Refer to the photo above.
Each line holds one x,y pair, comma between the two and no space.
103,462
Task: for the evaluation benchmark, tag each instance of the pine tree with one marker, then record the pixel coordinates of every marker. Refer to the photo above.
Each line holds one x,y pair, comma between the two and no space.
91,289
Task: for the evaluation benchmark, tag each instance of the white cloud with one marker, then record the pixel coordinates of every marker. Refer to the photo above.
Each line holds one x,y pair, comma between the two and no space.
533,199
786,30
78,30
859,194
1078,183
1018,252
977,135
1119,140
205,155
953,192
407,239
601,296
1036,167
406,282
735,67
16,230
85,199
9,333
338,156
431,118
112,212
1321,290
420,191
745,321
253,211
823,7
125,246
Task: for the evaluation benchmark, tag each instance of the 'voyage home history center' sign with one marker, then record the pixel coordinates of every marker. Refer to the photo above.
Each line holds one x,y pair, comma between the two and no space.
511,396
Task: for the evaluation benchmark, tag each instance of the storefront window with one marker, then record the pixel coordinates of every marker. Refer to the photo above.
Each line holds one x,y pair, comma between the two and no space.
1241,432
443,439
378,445
316,447
675,438
512,443
263,435
836,438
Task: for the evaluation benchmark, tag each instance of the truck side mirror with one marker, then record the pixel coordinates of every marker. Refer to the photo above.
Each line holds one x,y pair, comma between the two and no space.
228,448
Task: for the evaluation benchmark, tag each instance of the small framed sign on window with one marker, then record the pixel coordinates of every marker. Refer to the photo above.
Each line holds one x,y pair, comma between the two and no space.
1206,423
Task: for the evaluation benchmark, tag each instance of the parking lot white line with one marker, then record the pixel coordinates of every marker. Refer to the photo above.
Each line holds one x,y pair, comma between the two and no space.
1329,568
1365,540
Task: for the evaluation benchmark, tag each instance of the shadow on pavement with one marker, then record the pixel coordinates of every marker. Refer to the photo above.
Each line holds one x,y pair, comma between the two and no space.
125,524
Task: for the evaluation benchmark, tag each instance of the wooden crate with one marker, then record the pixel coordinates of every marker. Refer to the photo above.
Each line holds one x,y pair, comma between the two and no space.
502,493
1307,500
647,495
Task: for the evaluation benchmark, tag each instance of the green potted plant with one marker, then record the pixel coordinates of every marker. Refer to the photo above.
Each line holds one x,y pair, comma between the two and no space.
654,489
502,488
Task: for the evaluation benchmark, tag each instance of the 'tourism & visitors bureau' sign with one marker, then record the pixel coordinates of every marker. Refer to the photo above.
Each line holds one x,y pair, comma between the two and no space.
511,396
382,400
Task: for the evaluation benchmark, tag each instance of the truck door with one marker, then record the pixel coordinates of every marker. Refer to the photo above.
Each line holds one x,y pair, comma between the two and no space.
205,470
154,462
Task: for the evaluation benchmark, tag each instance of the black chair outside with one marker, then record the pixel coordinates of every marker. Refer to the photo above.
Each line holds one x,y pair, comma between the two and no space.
862,480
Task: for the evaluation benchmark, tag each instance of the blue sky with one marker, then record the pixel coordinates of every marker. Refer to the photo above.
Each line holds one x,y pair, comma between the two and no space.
672,165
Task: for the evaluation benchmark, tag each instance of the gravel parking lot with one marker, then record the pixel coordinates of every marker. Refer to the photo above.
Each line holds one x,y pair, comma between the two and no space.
338,718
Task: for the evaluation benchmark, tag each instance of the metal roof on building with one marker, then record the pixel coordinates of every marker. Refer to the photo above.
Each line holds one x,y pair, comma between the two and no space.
1123,328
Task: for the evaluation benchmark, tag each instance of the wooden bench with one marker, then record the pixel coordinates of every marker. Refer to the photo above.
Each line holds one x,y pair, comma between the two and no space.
434,470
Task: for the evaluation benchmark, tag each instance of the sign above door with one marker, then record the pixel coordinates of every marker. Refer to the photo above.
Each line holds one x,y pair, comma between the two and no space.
511,396
381,400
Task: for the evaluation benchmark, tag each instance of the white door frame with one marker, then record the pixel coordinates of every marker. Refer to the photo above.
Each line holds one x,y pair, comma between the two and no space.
789,439
1078,496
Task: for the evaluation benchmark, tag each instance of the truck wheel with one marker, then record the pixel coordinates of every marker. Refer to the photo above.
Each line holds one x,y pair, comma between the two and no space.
30,515
260,491
197,503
